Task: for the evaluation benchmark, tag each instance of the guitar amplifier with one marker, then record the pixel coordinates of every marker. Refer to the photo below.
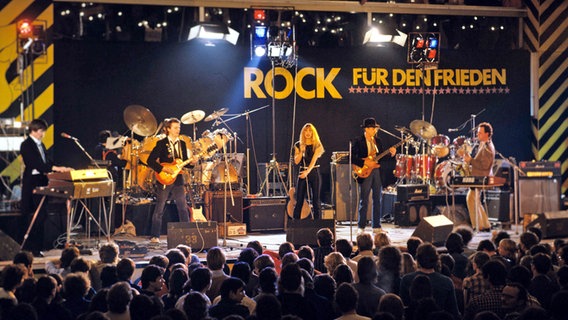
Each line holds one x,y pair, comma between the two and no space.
412,192
540,169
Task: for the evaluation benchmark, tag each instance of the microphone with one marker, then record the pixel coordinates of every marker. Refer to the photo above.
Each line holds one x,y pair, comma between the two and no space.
68,136
453,130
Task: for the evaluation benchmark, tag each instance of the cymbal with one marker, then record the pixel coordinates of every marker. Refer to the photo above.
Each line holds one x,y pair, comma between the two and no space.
423,129
193,117
140,120
216,114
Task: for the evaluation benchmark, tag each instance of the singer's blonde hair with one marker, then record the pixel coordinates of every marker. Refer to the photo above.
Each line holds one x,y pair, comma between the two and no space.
316,142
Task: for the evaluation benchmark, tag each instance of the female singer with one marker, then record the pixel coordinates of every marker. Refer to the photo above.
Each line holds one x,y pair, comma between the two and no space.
307,151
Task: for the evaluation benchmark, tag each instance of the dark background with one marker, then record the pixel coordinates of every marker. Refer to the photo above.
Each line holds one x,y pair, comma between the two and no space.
95,82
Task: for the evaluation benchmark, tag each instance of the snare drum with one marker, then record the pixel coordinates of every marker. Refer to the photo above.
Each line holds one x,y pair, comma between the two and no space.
463,143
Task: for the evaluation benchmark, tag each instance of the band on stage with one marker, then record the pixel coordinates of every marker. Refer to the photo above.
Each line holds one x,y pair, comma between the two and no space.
167,165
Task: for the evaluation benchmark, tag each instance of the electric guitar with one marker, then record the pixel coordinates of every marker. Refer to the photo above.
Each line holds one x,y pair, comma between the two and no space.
292,203
371,162
176,166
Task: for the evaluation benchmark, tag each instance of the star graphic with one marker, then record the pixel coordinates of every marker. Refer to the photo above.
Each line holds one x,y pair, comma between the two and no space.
372,89
414,90
365,90
435,91
454,90
507,90
420,91
460,90
474,90
358,89
351,89
500,90
467,91
493,90
447,90
380,90
400,91
393,90
428,91
407,90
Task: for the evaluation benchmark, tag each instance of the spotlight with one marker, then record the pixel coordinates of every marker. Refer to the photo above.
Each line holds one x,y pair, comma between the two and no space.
424,48
213,31
25,29
260,51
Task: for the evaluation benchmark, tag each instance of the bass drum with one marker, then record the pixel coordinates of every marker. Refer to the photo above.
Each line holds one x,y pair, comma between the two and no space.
148,145
444,170
219,177
146,178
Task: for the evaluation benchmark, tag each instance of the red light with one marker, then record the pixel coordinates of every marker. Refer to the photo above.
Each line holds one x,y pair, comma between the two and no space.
432,53
259,15
419,43
24,29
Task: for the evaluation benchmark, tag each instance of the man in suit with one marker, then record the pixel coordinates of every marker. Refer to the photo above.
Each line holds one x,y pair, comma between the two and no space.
364,148
37,166
168,150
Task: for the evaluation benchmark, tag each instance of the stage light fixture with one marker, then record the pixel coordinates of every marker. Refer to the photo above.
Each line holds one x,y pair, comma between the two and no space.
210,31
259,14
382,37
31,36
424,48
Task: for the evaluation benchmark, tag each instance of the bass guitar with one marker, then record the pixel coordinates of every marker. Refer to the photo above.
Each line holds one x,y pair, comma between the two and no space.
176,166
292,203
372,162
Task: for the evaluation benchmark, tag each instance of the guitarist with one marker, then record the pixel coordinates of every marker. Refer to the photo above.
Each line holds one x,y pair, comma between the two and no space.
363,149
168,150
307,151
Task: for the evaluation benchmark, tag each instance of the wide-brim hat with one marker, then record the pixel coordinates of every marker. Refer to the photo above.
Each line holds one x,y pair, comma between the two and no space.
370,123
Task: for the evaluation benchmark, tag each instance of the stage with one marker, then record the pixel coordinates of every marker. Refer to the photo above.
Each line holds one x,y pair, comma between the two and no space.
141,250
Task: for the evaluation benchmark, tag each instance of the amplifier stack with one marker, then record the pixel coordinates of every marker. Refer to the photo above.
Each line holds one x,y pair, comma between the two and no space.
412,204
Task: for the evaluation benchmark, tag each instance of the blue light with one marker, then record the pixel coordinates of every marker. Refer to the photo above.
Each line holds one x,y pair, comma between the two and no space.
433,43
260,32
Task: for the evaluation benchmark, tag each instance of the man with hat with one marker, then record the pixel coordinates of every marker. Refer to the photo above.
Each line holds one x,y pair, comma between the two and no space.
364,148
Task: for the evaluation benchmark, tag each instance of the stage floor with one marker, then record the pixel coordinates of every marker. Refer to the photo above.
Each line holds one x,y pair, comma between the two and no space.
233,245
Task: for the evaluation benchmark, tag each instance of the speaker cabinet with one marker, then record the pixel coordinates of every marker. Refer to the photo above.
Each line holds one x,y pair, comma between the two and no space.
411,213
265,213
434,229
498,205
539,195
341,176
8,247
197,235
215,204
457,213
552,224
303,232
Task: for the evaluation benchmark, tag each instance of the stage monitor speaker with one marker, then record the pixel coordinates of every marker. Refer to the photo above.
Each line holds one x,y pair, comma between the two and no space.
265,213
552,224
538,195
498,205
434,229
411,213
8,247
197,235
215,203
341,175
458,213
303,232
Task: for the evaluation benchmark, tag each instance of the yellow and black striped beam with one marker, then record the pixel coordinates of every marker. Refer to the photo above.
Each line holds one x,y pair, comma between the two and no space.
546,34
27,81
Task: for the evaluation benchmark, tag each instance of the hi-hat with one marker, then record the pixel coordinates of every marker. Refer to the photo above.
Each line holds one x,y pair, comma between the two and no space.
216,114
193,117
140,120
400,129
423,129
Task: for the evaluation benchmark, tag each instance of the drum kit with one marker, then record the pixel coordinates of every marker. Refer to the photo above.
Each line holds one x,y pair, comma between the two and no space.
435,158
208,173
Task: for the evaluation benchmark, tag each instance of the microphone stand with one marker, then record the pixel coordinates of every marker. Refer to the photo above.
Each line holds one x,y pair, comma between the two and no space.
516,192
463,124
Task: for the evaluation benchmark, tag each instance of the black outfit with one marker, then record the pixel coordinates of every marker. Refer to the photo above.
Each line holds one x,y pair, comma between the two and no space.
166,152
312,182
35,175
360,151
227,307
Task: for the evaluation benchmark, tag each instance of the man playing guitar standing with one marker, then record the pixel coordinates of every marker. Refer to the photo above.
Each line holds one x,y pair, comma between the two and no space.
166,159
364,148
